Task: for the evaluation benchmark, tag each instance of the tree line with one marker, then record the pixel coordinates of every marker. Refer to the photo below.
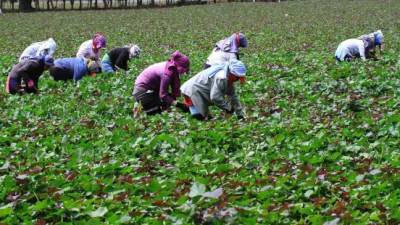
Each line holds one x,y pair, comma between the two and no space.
49,5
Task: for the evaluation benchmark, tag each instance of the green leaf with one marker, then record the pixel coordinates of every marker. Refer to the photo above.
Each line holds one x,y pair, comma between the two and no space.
197,189
6,210
100,212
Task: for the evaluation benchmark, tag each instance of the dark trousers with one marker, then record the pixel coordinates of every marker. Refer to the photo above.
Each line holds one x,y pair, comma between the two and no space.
13,86
347,58
149,100
61,73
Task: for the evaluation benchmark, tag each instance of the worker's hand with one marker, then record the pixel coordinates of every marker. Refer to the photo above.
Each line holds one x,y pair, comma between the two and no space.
231,111
182,107
30,84
227,113
241,117
137,110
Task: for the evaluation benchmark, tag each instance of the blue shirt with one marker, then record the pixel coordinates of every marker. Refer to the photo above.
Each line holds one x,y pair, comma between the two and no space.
76,65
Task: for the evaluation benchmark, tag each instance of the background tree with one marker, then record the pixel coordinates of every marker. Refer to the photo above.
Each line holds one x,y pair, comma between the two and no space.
25,5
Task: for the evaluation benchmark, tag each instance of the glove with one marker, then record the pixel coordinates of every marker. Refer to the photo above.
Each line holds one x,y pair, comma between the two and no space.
31,84
182,107
230,111
240,117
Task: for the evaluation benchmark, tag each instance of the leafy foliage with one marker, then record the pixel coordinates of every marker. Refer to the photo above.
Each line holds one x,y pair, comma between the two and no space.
320,145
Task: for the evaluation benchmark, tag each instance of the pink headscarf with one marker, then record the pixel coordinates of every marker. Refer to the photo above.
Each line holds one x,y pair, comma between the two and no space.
178,61
99,41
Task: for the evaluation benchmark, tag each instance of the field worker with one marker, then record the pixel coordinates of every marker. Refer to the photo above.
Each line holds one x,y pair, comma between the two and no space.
372,41
210,86
73,68
39,49
27,71
152,85
118,58
350,49
90,49
226,49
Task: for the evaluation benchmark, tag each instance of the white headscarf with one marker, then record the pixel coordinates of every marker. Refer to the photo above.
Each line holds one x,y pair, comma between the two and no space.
134,51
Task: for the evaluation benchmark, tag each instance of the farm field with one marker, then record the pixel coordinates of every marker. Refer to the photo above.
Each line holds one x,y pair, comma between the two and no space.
320,145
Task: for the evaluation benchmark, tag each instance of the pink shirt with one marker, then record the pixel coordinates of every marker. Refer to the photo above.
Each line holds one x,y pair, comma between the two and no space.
157,78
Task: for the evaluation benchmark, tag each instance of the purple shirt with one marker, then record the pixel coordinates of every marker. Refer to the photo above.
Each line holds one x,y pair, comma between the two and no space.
157,78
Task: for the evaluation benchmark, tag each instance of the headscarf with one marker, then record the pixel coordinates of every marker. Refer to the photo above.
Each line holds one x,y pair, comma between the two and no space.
178,60
232,43
233,66
99,41
49,46
378,36
372,39
134,51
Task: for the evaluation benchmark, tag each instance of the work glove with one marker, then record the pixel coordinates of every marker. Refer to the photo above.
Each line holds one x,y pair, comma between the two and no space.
241,117
182,107
31,84
231,111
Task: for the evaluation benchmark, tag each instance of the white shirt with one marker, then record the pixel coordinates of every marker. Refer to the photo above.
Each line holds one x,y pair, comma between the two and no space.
351,47
218,57
86,51
39,49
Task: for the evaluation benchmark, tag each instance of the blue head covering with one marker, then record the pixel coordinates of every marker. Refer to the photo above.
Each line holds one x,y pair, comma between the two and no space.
378,35
242,40
233,66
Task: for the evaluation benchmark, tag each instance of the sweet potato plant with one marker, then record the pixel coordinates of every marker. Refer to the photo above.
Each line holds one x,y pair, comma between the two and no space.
320,144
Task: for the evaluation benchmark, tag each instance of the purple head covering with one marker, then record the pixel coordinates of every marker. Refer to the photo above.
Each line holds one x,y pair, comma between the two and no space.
99,41
178,60
232,43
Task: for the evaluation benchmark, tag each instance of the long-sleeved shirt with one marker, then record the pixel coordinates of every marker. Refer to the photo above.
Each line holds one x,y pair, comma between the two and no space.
27,70
205,91
86,51
158,79
351,47
39,49
119,57
218,56
77,66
